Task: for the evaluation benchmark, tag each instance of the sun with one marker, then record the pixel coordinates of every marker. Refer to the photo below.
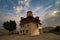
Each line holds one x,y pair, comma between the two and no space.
54,13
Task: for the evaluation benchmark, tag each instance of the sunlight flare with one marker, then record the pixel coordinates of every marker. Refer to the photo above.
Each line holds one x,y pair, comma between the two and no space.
54,13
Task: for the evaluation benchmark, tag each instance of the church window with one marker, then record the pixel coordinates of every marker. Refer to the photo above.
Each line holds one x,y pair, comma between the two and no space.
26,31
37,25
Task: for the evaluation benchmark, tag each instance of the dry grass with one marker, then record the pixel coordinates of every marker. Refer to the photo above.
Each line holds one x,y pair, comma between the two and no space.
45,36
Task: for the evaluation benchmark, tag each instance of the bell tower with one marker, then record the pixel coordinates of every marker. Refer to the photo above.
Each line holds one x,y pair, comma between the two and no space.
29,13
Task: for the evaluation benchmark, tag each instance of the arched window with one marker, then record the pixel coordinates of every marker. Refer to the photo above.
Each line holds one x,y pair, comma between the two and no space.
37,25
26,31
23,32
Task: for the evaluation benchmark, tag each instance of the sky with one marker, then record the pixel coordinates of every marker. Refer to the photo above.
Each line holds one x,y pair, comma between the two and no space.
47,10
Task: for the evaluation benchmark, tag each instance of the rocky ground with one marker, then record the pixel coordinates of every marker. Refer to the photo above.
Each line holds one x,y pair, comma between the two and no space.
44,36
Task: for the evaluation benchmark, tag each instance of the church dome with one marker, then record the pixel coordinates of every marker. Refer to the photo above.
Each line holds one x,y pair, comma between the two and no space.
29,13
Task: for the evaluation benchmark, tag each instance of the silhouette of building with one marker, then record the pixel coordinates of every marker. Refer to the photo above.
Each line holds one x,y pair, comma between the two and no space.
30,25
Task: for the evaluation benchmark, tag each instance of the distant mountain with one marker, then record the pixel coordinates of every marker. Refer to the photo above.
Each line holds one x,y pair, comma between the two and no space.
47,29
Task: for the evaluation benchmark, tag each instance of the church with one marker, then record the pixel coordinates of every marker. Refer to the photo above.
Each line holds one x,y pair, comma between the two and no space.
30,25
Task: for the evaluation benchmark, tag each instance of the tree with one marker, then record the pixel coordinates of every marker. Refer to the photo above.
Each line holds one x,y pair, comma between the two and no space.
10,26
57,28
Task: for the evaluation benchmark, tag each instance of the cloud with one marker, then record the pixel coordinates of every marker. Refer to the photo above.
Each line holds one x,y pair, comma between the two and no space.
37,8
27,4
52,14
40,11
52,19
58,2
11,2
58,5
19,2
5,6
48,7
18,9
48,18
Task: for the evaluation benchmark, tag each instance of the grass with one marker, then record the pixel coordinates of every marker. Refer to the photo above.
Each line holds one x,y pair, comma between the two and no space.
44,36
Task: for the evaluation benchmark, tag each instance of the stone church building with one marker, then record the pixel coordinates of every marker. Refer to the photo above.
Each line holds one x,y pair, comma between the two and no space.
30,25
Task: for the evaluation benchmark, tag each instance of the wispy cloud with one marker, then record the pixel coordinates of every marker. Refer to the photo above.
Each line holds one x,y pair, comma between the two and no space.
52,14
41,11
58,2
58,5
27,4
11,2
48,7
18,9
5,6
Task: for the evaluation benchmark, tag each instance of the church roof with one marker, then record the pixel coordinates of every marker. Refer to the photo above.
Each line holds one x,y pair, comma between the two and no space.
29,19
